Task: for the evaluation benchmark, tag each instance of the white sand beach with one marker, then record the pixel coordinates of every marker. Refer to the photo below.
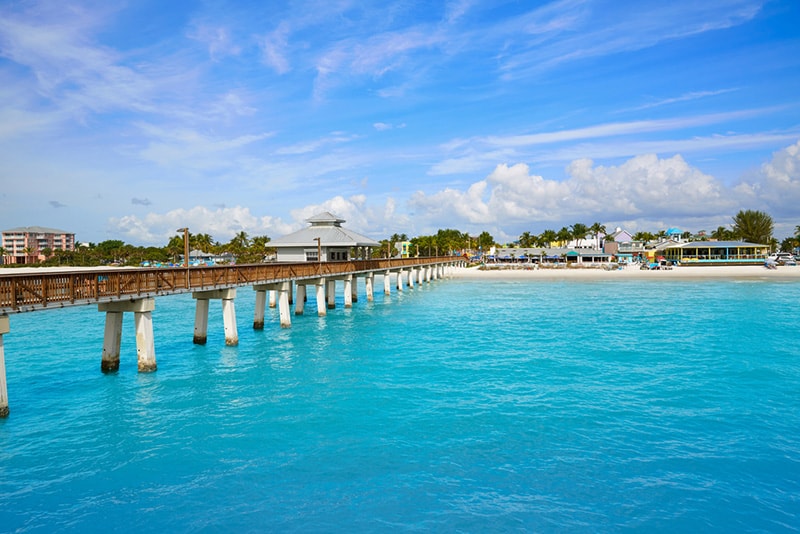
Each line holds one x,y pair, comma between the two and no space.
632,273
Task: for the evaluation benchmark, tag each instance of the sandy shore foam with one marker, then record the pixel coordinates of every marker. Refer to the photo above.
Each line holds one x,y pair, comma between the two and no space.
632,273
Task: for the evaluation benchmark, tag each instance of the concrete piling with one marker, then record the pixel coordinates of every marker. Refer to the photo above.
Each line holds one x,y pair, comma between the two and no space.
4,329
143,320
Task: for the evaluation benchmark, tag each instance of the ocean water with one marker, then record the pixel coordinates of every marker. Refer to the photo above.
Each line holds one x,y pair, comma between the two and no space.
458,406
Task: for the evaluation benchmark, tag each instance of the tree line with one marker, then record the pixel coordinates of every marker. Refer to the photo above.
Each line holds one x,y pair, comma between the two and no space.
747,225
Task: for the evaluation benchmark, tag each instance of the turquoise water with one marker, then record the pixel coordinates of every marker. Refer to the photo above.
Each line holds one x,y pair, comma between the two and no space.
653,406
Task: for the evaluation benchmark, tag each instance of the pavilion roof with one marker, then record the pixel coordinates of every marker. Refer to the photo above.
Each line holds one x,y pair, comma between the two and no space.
327,227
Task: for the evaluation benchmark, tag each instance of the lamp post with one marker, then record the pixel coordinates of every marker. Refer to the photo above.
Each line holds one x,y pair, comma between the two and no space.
185,251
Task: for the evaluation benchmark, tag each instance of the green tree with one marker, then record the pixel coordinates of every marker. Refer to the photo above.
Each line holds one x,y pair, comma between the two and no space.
485,241
722,234
579,231
175,247
547,238
789,244
203,242
596,229
753,226
564,236
238,243
526,240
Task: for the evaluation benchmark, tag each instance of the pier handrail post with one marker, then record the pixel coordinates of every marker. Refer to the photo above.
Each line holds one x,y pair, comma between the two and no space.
185,231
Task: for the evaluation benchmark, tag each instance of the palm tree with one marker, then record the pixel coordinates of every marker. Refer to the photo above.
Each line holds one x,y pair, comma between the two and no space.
526,240
578,231
3,254
547,237
597,229
485,241
753,226
721,234
564,236
202,242
239,243
28,251
175,247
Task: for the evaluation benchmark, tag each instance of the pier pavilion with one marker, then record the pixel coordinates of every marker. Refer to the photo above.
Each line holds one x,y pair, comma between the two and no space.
325,240
116,292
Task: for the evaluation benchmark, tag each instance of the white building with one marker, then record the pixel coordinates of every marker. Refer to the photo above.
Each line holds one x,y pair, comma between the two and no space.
324,240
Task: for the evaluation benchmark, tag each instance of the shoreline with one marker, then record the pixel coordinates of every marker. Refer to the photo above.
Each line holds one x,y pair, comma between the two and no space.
742,272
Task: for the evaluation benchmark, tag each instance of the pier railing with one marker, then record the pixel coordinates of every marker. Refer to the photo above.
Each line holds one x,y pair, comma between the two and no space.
31,291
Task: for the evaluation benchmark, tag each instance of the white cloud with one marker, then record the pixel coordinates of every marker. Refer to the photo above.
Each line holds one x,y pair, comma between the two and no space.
218,40
359,216
314,145
644,186
776,187
221,223
191,148
622,128
687,97
275,49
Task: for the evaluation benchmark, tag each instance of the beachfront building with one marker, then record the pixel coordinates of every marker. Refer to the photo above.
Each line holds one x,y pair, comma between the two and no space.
28,244
570,256
324,240
716,253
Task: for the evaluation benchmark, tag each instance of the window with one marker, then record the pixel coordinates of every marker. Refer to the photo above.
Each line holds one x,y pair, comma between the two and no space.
312,255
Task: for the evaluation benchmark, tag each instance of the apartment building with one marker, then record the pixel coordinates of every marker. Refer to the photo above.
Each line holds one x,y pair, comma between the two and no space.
25,244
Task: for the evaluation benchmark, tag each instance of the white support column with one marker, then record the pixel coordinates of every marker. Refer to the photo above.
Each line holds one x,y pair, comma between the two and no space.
400,280
145,343
322,310
228,311
369,282
387,282
261,304
348,291
354,289
300,303
331,293
272,298
143,320
4,329
229,321
291,292
201,320
420,275
411,275
284,308
112,339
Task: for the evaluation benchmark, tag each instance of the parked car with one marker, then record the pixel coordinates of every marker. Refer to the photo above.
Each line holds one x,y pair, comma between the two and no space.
782,258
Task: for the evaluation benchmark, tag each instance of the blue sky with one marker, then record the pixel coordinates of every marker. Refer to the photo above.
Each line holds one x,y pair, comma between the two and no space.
128,120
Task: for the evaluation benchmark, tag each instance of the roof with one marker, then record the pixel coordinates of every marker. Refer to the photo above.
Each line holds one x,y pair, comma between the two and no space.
36,230
327,227
325,218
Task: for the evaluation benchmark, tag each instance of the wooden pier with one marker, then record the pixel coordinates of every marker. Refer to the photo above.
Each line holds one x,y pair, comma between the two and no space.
134,290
